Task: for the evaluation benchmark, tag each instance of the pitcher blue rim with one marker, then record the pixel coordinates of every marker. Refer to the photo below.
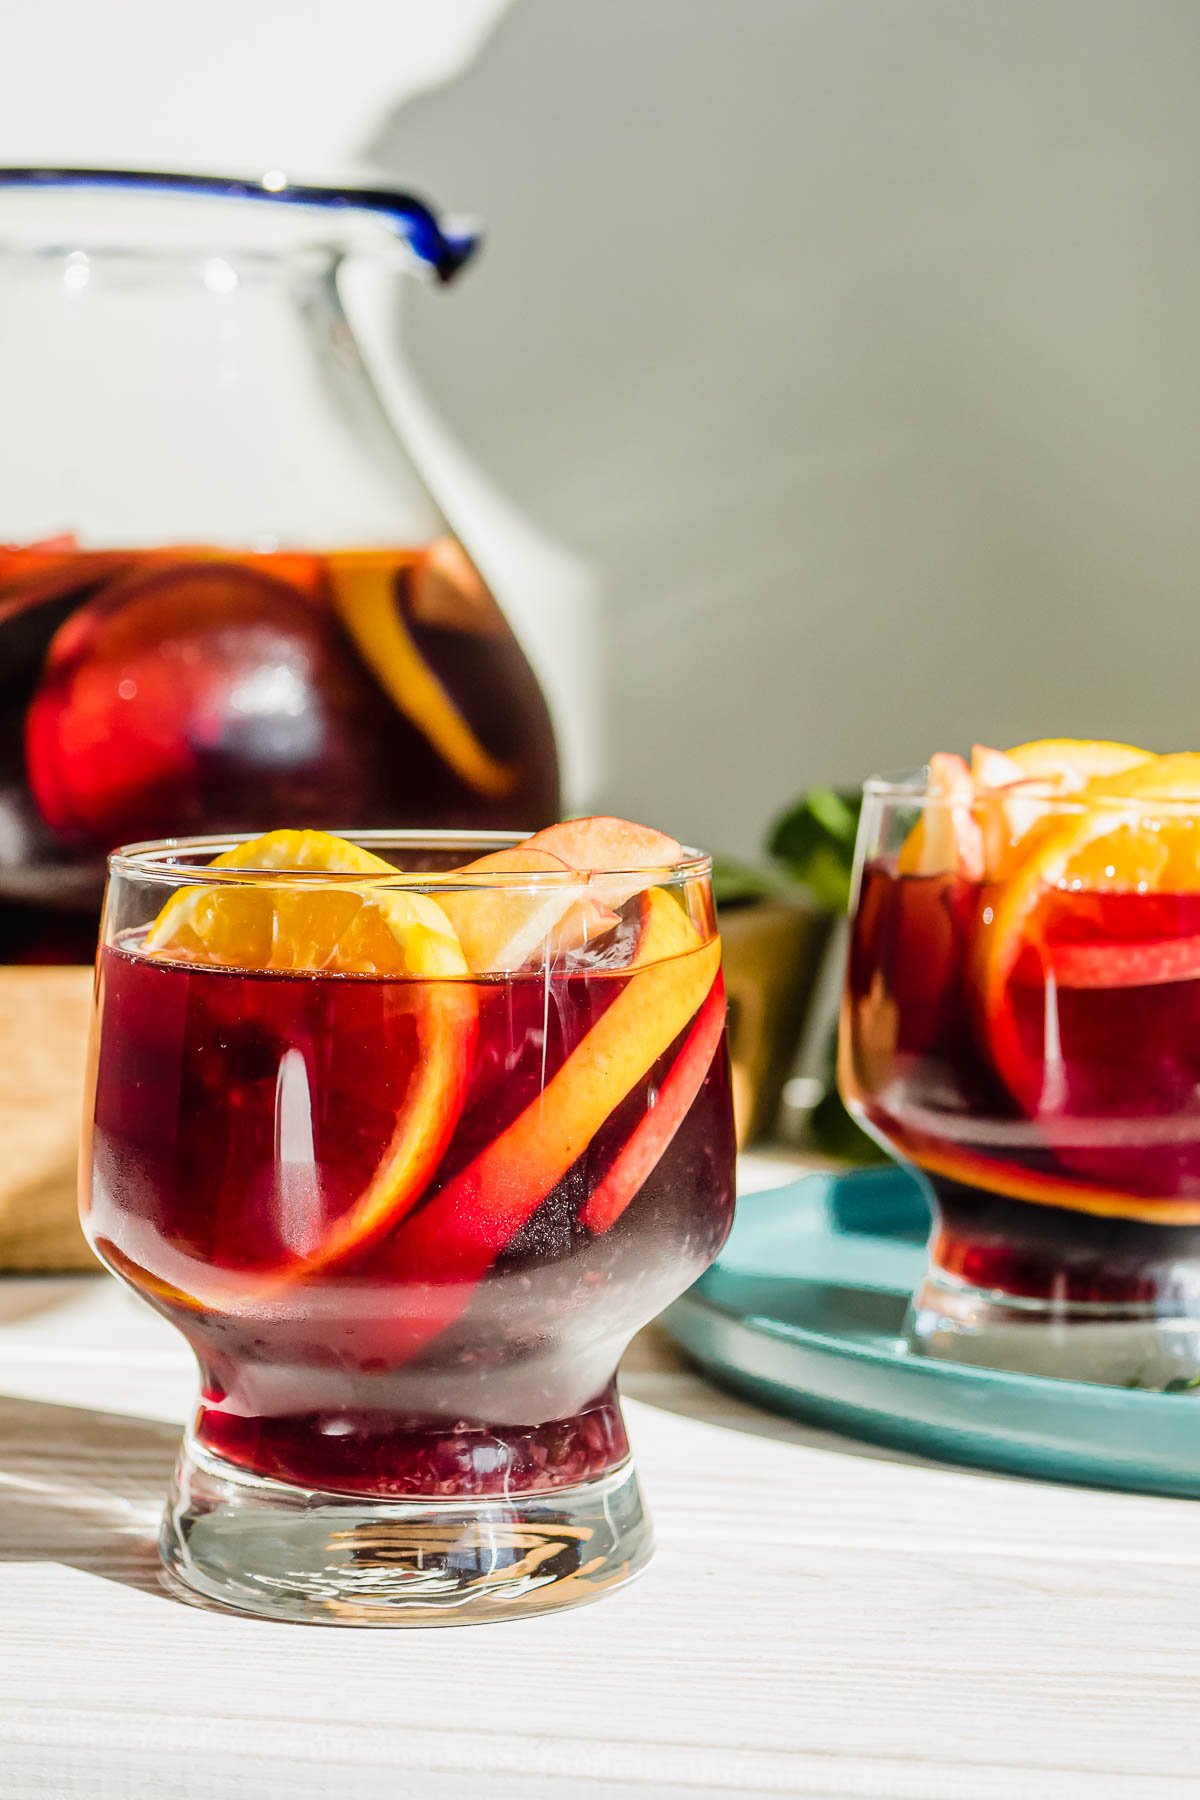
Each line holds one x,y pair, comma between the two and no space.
443,245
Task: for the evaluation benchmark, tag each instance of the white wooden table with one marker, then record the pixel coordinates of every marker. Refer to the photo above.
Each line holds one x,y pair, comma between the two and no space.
821,1619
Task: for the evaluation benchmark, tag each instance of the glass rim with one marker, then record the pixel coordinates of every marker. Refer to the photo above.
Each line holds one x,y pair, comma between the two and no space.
911,788
160,860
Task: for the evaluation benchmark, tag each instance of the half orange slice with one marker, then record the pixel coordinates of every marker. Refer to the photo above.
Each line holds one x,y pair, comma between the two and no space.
1120,840
1075,761
342,928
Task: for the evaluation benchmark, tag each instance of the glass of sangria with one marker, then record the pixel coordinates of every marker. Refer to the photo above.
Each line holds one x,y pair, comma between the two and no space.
408,1135
1022,1026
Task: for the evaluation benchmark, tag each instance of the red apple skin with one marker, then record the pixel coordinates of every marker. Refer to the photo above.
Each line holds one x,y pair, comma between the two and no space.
160,692
501,928
206,694
608,844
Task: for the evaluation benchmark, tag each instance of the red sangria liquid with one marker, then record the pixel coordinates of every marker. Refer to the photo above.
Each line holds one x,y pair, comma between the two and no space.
188,689
471,1348
1061,1137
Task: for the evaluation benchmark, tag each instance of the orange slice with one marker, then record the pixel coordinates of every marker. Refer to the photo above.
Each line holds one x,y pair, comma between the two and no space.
364,598
308,926
343,929
1043,1189
1096,849
1075,761
1119,840
1175,777
1015,790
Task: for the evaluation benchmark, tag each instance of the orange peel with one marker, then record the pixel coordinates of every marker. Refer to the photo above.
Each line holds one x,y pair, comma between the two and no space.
364,598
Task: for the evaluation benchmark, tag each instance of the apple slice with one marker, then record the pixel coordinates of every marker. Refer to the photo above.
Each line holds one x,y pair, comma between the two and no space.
606,843
994,768
443,1251
1121,965
647,1143
502,928
612,848
946,838
1009,804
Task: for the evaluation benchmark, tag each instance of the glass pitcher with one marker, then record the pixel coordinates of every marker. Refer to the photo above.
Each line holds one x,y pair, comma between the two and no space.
227,600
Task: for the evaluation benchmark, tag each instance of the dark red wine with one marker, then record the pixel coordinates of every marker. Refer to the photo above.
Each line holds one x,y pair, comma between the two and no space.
465,1347
1058,1120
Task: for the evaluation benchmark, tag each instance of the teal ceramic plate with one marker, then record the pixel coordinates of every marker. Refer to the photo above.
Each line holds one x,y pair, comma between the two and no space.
803,1312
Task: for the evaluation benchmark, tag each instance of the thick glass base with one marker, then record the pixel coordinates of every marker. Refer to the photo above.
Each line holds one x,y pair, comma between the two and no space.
1047,1290
281,1552
1121,1347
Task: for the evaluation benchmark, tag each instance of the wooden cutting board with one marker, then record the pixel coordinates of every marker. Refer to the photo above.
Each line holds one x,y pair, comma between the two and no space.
43,1046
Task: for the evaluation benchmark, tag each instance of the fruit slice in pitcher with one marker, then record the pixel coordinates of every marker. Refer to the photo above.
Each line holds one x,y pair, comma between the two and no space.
190,692
364,596
343,928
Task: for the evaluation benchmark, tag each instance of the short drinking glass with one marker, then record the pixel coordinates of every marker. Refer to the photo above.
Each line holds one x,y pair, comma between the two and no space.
407,1145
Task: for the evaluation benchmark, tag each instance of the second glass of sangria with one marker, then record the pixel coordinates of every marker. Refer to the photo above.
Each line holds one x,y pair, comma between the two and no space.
408,1136
1022,1026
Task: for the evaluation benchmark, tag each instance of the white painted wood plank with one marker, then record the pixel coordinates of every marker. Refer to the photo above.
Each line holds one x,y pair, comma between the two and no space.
821,1620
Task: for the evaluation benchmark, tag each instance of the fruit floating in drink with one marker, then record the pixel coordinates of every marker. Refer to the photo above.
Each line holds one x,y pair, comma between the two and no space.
408,1137
1022,1025
147,692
